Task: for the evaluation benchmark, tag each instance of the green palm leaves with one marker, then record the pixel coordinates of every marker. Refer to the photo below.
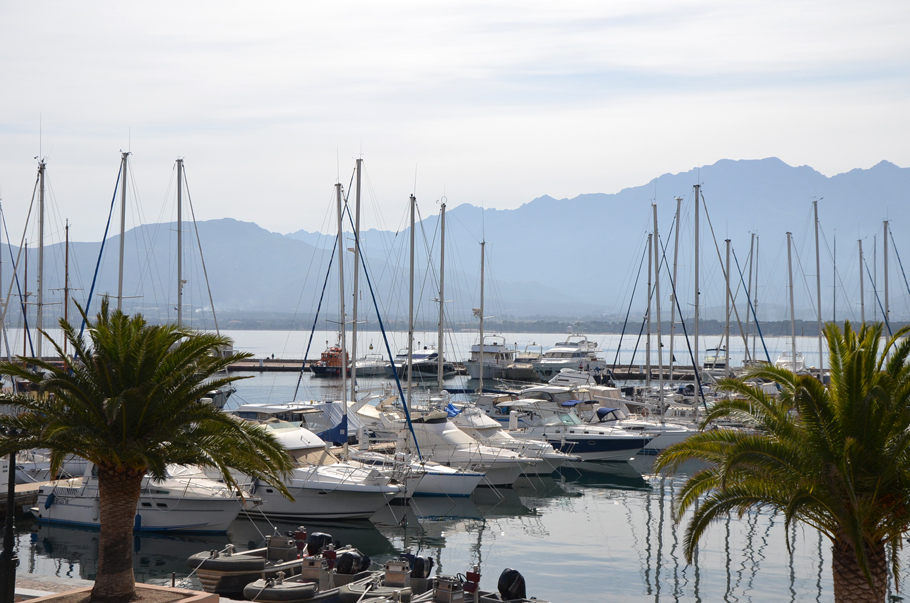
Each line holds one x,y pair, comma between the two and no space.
128,398
835,458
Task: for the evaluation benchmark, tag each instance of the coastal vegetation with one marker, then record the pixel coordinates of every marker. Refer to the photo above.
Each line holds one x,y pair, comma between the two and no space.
127,399
836,459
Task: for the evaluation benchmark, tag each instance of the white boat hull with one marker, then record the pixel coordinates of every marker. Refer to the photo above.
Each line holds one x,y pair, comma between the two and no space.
69,507
324,503
448,484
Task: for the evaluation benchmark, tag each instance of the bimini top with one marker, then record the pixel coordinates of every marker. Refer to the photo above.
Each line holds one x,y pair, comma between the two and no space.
572,403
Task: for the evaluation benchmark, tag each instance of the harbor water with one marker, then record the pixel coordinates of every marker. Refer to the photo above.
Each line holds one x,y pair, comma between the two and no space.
595,532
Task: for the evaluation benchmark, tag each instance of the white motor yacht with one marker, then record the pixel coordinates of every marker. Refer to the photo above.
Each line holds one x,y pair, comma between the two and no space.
323,486
371,365
576,352
566,432
497,355
433,479
425,365
489,432
185,500
664,434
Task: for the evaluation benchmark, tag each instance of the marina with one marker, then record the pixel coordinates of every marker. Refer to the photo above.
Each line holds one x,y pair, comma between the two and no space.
590,530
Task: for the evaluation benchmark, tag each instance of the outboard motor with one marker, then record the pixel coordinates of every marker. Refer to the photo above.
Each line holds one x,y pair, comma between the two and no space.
351,561
317,542
511,585
420,566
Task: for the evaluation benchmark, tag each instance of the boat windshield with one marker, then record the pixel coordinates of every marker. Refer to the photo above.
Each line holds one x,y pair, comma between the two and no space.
570,419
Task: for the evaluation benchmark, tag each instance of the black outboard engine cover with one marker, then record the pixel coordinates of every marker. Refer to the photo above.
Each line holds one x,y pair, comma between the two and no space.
511,585
317,542
420,566
351,561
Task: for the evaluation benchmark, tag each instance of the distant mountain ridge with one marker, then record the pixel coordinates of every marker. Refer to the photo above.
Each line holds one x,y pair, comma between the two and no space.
549,258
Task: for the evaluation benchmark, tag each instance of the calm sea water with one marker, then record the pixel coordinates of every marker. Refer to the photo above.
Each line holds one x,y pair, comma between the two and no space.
602,532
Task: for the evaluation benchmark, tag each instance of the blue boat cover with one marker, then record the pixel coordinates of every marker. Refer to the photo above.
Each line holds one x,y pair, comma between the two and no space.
337,435
572,402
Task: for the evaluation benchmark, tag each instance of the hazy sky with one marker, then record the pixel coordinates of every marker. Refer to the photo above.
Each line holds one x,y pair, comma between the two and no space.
493,103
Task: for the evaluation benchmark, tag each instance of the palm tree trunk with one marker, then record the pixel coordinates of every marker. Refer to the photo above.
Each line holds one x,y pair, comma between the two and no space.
119,494
850,584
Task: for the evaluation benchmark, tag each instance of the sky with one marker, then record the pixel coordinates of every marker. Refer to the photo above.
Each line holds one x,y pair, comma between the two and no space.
492,104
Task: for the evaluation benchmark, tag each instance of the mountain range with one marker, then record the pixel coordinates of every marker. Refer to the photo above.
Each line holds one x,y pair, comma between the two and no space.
562,259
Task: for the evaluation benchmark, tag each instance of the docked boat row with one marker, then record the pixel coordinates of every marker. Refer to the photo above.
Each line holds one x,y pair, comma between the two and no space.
296,567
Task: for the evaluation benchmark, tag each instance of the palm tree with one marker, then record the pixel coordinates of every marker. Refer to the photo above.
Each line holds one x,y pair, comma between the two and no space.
835,458
128,401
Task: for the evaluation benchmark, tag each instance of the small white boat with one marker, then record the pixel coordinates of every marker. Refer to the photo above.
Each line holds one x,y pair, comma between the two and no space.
184,501
791,363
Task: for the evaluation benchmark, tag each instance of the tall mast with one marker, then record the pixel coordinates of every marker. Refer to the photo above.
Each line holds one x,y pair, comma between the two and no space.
875,275
792,308
483,245
411,307
39,319
660,357
695,328
123,168
356,283
749,291
755,299
834,280
862,293
818,291
885,268
648,333
25,305
179,242
66,282
341,317
674,285
727,315
442,273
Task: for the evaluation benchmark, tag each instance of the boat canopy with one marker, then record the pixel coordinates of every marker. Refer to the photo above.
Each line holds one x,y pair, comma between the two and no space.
571,403
603,412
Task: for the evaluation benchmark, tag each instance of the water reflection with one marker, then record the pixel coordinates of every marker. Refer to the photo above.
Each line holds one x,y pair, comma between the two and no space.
571,534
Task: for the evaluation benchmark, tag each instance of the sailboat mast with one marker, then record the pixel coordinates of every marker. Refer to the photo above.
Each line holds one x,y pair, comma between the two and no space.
442,274
25,305
885,268
749,291
483,245
660,357
834,281
862,293
411,308
755,298
818,291
792,308
648,333
123,168
179,242
695,327
674,285
727,316
341,318
39,320
66,281
354,305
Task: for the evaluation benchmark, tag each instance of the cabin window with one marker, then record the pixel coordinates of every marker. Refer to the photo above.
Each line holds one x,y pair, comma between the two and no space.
145,504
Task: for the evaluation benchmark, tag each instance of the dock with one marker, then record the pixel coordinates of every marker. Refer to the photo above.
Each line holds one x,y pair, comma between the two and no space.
26,497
